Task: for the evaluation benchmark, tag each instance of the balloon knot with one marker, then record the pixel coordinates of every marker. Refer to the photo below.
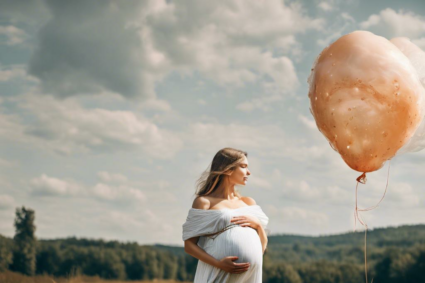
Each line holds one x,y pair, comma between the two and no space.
362,178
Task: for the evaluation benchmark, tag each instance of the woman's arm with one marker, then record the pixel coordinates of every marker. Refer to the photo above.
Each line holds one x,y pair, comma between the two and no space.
263,237
191,247
226,263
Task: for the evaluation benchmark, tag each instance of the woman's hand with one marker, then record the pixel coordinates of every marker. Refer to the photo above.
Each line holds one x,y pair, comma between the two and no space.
228,265
246,221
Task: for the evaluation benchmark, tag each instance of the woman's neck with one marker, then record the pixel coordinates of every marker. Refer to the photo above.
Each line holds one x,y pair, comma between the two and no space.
225,191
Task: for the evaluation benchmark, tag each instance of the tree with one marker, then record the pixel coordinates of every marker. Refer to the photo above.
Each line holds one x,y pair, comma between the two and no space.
394,266
25,242
48,259
282,273
6,245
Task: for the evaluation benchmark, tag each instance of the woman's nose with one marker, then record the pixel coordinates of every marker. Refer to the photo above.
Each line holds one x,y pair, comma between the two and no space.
248,172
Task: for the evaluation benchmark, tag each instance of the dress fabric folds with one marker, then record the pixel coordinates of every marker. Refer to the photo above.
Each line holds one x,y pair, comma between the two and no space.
220,238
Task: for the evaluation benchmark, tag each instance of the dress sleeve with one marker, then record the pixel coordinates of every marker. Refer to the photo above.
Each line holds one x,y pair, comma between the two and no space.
201,222
263,218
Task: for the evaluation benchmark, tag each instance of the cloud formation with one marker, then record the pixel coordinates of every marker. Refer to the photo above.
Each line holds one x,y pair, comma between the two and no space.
14,35
129,48
66,127
390,23
115,188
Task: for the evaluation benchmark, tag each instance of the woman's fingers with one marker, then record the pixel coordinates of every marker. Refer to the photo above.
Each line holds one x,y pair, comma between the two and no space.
240,270
240,267
236,218
242,264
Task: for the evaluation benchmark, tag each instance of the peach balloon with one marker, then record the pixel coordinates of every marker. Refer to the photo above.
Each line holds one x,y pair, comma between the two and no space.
366,99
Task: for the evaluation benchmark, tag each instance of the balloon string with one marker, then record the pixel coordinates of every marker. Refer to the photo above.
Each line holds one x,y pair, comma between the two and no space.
362,179
357,216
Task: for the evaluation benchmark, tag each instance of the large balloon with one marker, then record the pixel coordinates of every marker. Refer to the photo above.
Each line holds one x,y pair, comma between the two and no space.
366,98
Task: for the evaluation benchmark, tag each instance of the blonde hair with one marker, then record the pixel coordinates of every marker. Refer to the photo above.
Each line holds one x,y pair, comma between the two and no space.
224,160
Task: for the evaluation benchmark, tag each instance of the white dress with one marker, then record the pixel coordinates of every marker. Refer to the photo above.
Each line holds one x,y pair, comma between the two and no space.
243,242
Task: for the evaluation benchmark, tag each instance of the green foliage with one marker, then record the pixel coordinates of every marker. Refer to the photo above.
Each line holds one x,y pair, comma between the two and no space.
401,266
48,257
329,272
281,273
394,255
25,242
6,253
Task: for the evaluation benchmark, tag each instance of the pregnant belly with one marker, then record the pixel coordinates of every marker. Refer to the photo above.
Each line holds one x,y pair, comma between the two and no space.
242,242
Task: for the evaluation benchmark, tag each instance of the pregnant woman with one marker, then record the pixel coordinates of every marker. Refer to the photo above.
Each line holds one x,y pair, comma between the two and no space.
224,230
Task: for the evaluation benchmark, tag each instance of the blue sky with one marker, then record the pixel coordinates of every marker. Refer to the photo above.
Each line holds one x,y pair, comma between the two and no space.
111,110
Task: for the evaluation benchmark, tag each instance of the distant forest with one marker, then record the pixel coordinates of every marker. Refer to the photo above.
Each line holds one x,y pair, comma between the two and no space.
393,254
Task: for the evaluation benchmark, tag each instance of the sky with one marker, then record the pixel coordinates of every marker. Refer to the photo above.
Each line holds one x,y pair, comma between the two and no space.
111,110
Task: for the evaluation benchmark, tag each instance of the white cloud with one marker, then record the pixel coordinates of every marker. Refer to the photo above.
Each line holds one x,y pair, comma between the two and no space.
156,104
304,192
8,163
118,188
340,25
14,35
348,17
9,73
64,126
399,194
372,21
206,137
262,103
32,13
403,194
325,6
309,123
6,202
111,177
260,182
298,216
45,185
231,44
322,42
240,35
391,23
108,192
11,128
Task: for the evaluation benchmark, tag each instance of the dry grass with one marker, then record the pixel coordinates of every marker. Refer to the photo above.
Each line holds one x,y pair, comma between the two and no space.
12,277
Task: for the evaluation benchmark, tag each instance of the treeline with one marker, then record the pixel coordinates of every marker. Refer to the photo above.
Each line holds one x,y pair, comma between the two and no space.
393,255
109,260
395,265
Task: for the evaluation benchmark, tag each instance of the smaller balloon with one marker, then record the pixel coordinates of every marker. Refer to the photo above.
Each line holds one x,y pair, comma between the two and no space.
416,57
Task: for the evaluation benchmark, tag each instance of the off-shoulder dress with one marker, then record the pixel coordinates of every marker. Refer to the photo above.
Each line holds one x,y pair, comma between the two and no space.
231,240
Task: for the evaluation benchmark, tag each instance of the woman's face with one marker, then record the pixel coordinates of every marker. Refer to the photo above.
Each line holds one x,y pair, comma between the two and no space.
240,175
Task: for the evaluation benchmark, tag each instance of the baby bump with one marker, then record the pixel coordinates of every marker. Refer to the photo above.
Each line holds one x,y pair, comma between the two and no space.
242,242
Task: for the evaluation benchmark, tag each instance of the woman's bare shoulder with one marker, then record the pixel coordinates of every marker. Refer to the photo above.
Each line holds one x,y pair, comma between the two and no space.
201,202
248,200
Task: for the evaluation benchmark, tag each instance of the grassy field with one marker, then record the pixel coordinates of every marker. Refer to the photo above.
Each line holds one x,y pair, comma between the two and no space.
12,277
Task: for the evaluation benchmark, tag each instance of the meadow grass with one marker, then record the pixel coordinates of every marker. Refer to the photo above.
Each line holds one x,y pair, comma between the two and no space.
13,277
